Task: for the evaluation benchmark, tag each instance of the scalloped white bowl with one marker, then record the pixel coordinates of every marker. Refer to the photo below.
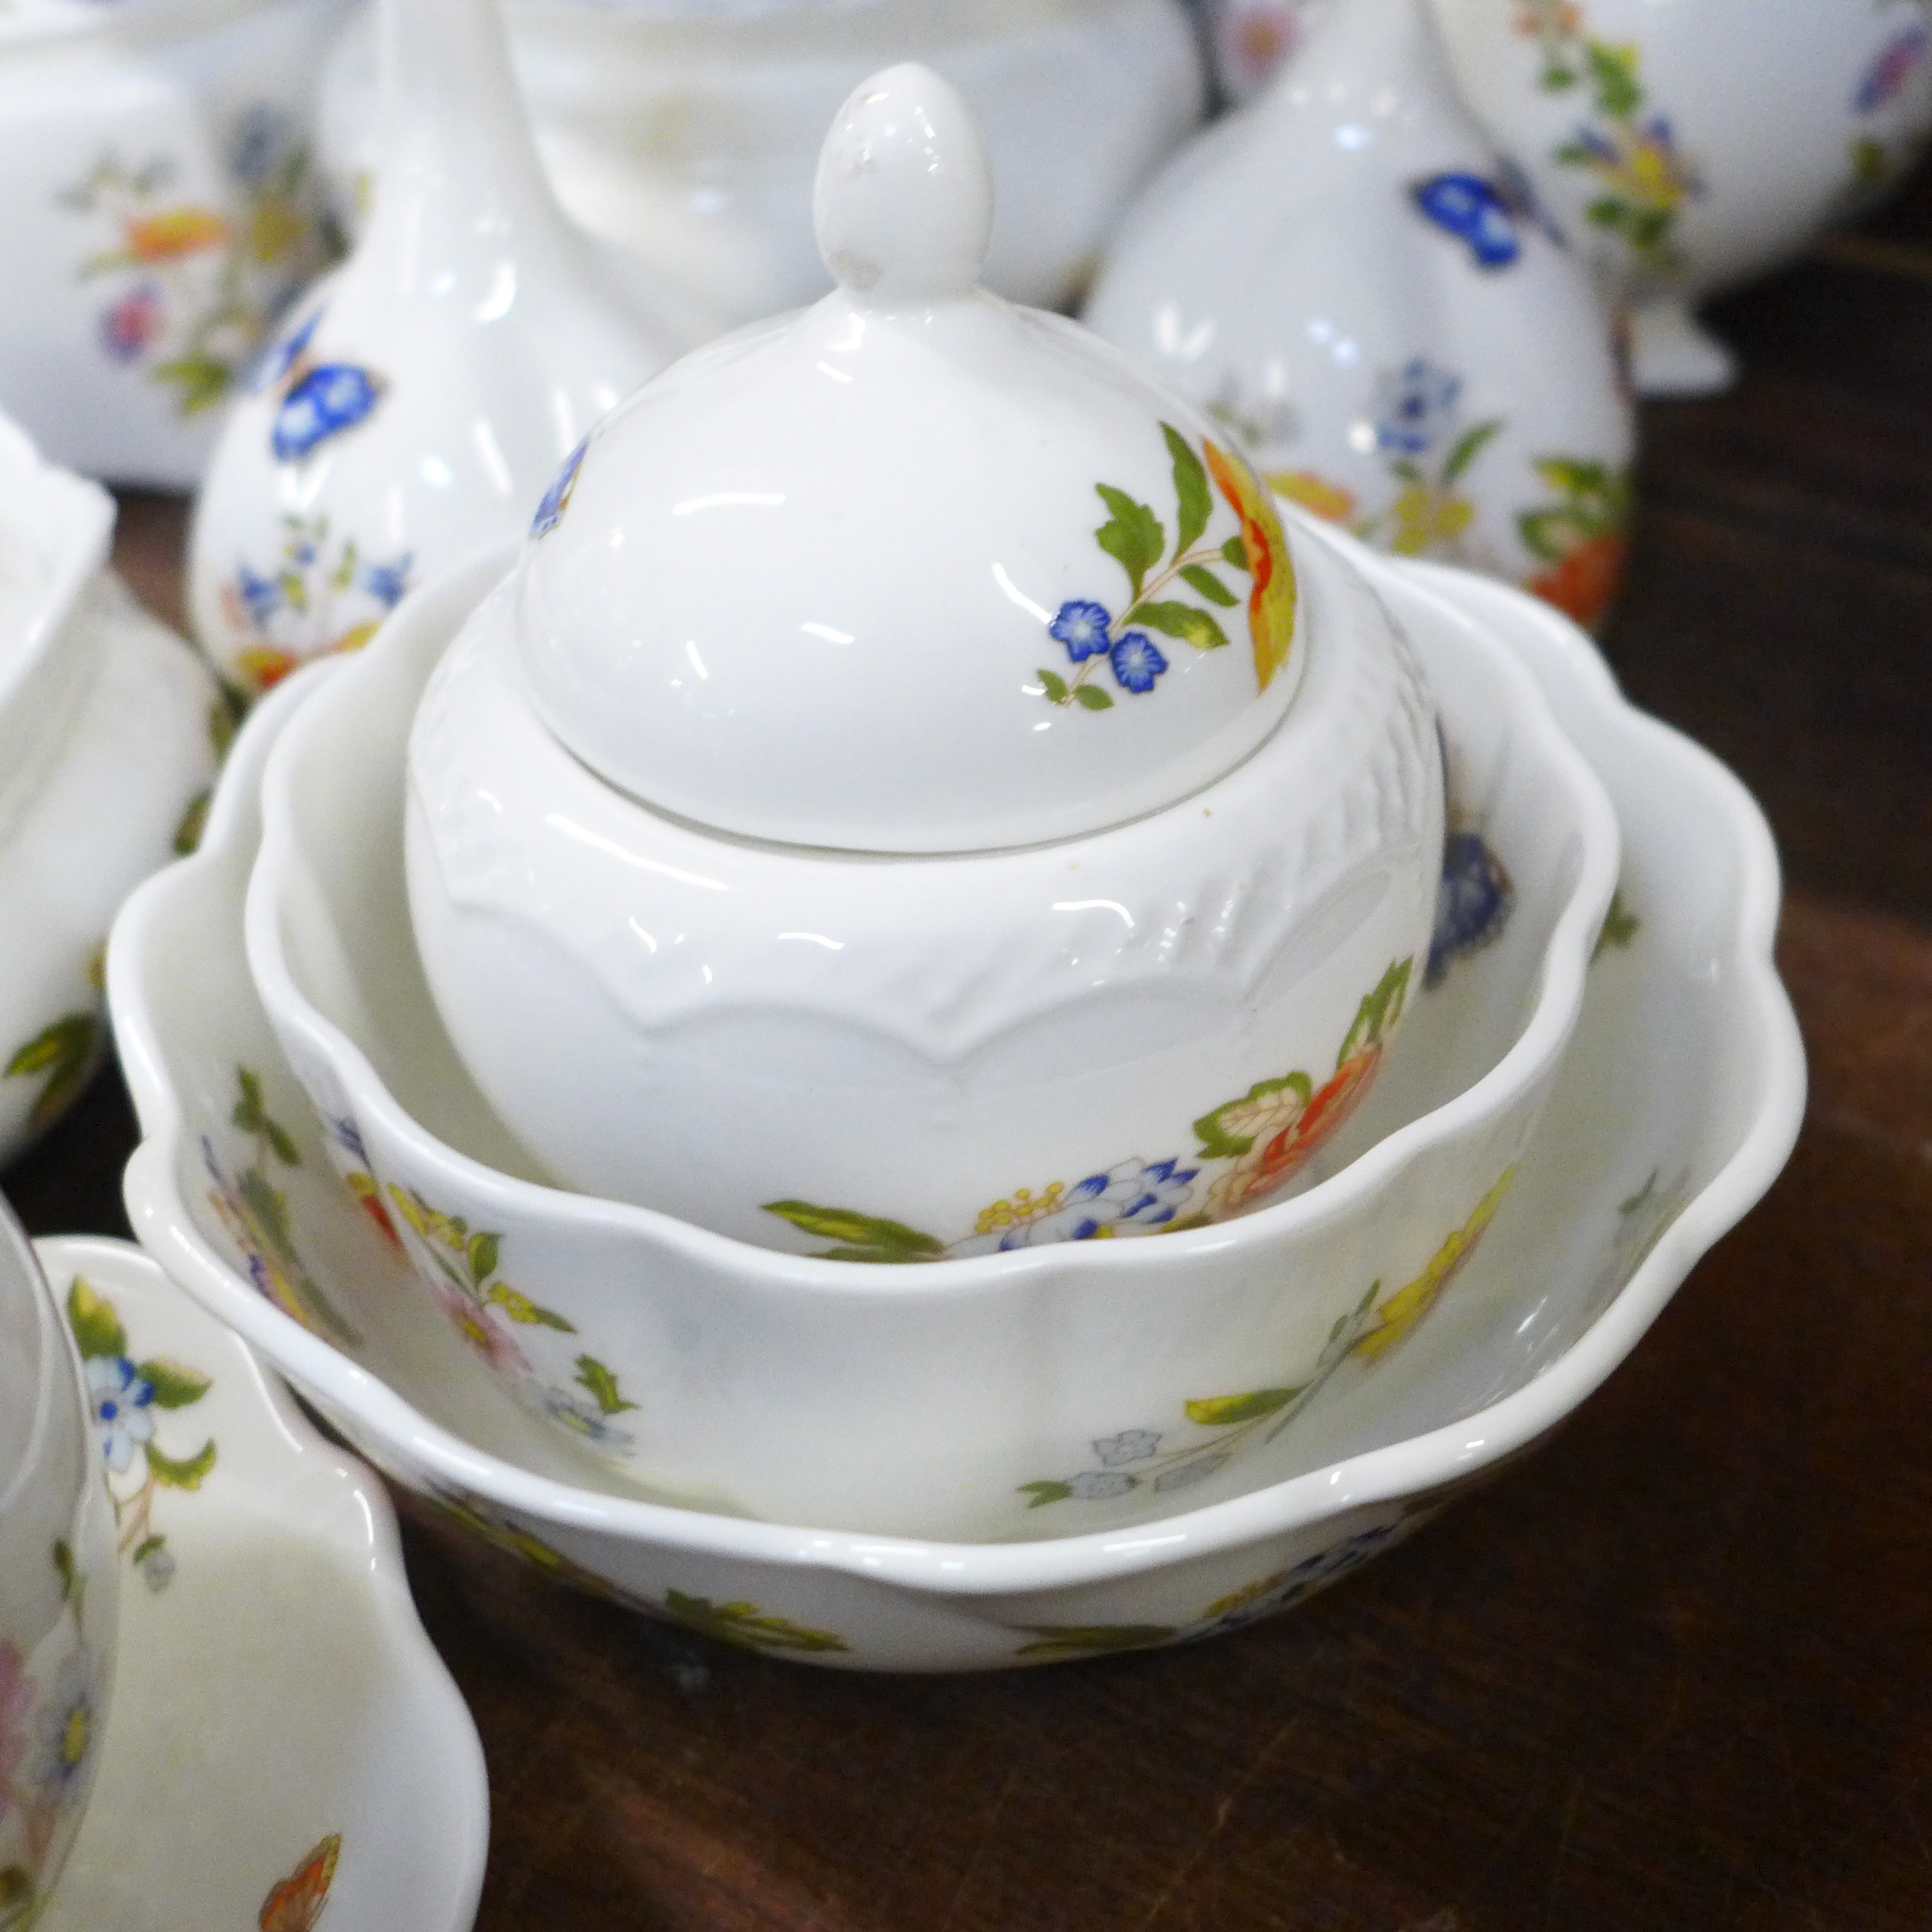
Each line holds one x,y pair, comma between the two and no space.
1678,1104
959,1397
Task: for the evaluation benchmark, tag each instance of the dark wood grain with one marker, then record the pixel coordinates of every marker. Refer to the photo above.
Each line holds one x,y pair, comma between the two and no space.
1674,1673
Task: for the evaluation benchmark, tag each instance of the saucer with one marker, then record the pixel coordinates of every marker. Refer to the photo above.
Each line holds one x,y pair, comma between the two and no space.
284,1747
1677,1106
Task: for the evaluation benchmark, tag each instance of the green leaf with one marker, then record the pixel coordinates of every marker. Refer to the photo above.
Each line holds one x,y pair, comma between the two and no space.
602,1384
520,1308
63,1051
1544,533
1088,1640
1093,698
1043,1493
194,822
247,1114
1619,92
1378,1013
201,381
1210,586
1468,446
482,1255
186,1475
1187,622
148,1547
74,1585
282,1142
97,1328
1190,490
1055,686
270,1209
1236,552
1621,926
1217,1144
176,1385
747,1625
1132,536
877,1238
1222,1412
17,1891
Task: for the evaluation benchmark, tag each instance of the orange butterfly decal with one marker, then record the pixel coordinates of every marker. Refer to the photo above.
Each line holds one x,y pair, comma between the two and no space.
297,1903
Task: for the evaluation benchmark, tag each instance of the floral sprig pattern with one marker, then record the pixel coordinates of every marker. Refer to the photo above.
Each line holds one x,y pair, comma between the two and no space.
319,597
51,1707
1641,179
255,1213
60,1056
461,1267
129,1397
1580,538
1145,1458
1877,160
195,288
1136,539
741,1624
1264,1138
295,1903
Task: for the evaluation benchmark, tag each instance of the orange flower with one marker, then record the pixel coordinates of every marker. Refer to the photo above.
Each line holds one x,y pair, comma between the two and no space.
1271,602
1582,585
263,666
1276,1161
1316,494
363,1187
174,233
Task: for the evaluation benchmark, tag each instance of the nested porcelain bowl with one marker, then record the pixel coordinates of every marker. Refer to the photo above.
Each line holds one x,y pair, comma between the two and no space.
107,723
162,207
684,131
1676,1106
952,1396
1683,147
58,1579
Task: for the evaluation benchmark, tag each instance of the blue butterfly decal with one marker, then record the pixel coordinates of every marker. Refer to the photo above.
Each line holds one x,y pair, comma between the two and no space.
1475,211
556,498
322,400
1473,903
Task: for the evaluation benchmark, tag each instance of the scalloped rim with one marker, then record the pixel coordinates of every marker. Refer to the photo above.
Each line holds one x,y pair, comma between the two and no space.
1375,1172
160,1217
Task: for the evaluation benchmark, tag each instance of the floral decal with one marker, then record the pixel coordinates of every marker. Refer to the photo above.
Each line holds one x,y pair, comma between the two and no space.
1476,211
1093,638
1264,1139
129,1399
1266,1596
295,1904
1157,1460
1473,900
50,1712
556,498
1877,161
315,400
317,598
1580,539
742,1624
1641,180
459,1265
60,1056
255,1213
193,289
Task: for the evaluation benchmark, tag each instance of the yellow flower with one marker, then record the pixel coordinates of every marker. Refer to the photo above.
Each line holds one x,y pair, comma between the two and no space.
1271,602
1427,519
1313,494
176,233
1399,1317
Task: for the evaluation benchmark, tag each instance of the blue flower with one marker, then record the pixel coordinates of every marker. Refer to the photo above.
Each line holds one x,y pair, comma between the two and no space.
1131,1445
1137,662
280,358
347,1135
256,143
261,596
1415,407
556,498
1475,211
387,582
1094,1485
1885,81
123,1417
1083,628
330,398
1473,903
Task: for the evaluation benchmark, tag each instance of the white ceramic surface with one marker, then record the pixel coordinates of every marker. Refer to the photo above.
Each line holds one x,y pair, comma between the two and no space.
1678,1105
1344,277
768,1380
287,1749
418,400
58,1586
1684,146
116,794
685,134
161,208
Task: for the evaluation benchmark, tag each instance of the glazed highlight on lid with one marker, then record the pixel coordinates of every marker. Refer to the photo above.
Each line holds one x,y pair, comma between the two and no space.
1022,592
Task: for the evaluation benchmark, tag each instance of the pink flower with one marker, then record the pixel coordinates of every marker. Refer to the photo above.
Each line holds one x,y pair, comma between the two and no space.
133,323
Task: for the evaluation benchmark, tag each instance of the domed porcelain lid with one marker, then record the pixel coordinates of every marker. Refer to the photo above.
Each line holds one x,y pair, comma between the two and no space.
913,570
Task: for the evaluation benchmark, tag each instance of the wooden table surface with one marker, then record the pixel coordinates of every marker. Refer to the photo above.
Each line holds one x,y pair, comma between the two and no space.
1674,1672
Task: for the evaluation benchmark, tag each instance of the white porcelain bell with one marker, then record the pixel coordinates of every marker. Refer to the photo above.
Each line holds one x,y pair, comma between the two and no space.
1685,146
911,754
1345,279
418,399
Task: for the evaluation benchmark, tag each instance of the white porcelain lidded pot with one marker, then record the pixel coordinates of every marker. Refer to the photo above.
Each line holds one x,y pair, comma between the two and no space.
912,762
1345,277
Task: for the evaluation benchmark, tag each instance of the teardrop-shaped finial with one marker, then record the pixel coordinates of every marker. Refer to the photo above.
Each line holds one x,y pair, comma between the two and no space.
903,200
